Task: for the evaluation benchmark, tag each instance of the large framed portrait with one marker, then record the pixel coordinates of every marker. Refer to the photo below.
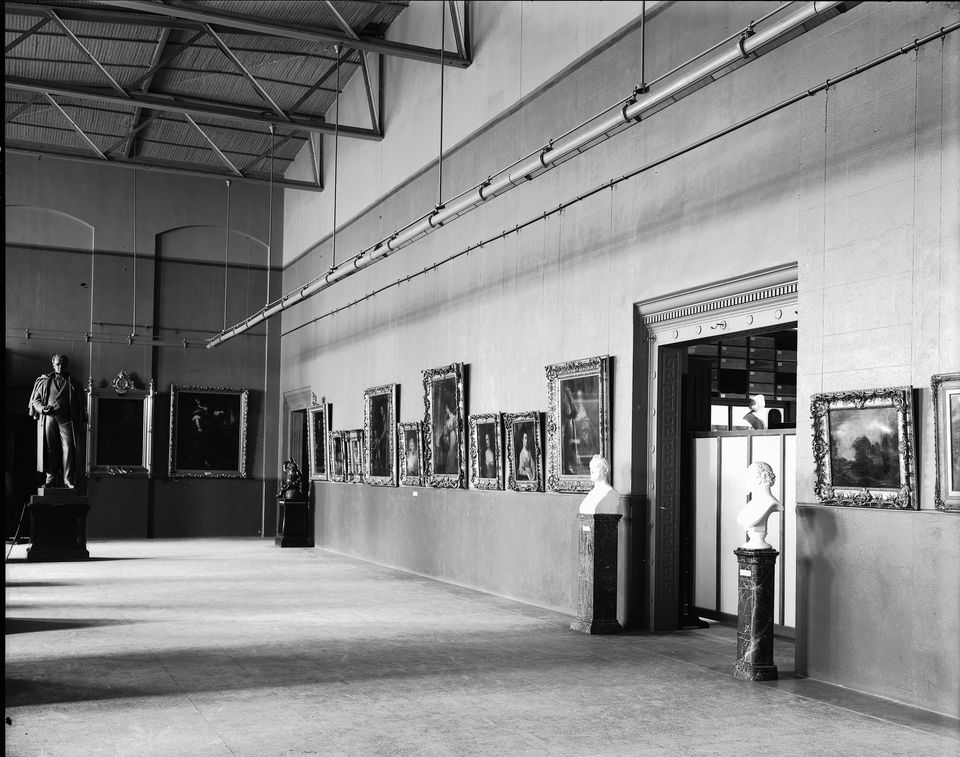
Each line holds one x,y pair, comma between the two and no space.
208,432
338,457
379,422
486,451
863,448
523,451
445,447
946,439
120,430
318,431
353,446
578,421
410,441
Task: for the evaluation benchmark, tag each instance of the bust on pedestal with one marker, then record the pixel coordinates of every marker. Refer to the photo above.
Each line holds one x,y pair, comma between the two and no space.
293,510
757,560
597,573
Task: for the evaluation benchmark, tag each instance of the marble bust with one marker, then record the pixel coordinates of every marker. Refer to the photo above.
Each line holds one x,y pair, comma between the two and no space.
762,503
602,499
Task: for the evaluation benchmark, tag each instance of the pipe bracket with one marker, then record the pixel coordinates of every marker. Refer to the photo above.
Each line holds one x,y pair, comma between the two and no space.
749,32
546,148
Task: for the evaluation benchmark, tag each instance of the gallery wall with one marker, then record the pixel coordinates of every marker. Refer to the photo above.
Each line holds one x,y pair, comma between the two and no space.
85,245
856,185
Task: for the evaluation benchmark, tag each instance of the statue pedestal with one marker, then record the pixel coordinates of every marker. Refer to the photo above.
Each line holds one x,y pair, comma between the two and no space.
597,575
755,615
293,523
58,526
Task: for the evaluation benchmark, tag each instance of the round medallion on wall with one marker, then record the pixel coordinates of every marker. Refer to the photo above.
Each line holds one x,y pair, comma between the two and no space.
122,383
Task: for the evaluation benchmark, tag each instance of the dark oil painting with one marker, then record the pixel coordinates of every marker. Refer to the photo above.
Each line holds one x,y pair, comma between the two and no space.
580,423
119,431
446,439
864,448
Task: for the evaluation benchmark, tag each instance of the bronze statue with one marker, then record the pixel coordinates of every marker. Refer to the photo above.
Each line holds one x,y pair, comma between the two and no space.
59,405
292,479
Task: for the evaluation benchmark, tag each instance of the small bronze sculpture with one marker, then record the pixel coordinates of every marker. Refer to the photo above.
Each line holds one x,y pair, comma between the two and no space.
59,405
292,480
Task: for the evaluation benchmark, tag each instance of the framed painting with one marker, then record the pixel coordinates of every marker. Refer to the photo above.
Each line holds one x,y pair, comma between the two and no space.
353,444
578,421
338,457
445,448
208,432
863,448
318,432
379,421
523,451
486,451
410,440
120,429
946,439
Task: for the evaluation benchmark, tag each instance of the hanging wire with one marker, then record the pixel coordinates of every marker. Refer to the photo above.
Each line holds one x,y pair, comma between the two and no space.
336,150
226,255
266,340
270,218
133,332
443,38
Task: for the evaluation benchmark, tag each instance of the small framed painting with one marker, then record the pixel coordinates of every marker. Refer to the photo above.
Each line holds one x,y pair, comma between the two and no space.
410,440
379,421
353,443
208,432
523,451
338,458
445,448
318,429
946,437
486,451
863,448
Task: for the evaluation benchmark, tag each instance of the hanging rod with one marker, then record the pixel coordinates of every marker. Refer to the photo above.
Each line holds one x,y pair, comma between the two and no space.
750,45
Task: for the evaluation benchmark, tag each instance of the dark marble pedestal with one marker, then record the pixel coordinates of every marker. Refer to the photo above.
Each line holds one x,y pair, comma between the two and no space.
597,575
755,615
58,525
293,523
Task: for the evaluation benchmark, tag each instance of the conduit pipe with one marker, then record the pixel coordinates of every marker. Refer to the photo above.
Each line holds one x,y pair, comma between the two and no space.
749,46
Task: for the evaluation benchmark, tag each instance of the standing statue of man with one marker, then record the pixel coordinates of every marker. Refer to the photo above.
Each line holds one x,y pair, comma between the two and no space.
59,404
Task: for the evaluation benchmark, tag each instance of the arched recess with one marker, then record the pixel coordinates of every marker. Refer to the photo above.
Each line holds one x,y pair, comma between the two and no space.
45,227
208,244
663,326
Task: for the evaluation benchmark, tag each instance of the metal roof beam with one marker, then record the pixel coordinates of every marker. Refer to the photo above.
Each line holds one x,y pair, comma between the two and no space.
25,106
318,85
28,33
348,30
193,106
213,145
265,153
239,22
315,158
75,127
156,62
457,28
137,120
86,53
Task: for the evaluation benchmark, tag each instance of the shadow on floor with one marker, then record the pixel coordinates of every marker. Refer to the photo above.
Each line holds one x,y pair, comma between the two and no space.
33,625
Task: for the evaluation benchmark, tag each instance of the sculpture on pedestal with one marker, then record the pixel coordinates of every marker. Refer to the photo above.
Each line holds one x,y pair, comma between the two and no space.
602,499
753,517
292,480
58,403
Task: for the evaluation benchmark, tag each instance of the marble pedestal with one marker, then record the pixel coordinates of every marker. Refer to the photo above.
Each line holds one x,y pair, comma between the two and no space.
597,575
58,525
755,615
293,523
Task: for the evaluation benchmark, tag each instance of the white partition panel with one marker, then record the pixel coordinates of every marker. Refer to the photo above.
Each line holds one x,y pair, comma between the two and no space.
789,551
705,522
768,449
733,497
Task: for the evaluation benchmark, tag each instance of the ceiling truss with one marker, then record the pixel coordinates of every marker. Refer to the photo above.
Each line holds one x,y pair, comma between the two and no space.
116,105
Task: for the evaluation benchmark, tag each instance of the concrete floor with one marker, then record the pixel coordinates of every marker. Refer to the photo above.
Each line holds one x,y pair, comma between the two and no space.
236,647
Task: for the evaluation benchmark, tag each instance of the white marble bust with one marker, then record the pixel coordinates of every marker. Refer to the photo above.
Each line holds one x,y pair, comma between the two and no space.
762,503
602,499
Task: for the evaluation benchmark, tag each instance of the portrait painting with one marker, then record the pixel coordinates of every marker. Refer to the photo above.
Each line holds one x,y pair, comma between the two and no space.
863,448
120,432
409,438
338,465
445,442
486,467
318,427
523,451
946,436
208,429
379,422
578,421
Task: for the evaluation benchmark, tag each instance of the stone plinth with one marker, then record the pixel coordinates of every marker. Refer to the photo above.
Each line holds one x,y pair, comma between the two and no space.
58,526
755,615
597,575
293,523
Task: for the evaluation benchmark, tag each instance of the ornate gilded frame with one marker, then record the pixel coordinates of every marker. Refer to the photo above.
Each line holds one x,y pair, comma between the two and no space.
186,430
856,407
353,455
510,422
319,446
338,445
477,480
122,392
567,469
384,444
416,429
444,381
946,439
